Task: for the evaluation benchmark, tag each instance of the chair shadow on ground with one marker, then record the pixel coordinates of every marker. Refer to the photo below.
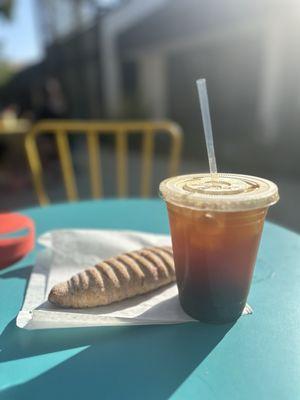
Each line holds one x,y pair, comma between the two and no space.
136,362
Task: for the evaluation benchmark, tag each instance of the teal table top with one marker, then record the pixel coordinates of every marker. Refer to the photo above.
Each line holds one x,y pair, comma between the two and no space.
258,357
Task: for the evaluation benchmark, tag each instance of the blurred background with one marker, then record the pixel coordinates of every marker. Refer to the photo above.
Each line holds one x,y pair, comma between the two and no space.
139,59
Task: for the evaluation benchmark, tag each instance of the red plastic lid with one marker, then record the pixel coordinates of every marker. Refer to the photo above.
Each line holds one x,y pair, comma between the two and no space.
14,248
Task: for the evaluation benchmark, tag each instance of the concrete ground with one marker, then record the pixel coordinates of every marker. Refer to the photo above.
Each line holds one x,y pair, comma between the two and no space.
16,189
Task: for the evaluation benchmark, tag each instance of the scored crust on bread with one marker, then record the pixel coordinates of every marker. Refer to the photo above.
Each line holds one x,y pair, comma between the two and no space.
118,278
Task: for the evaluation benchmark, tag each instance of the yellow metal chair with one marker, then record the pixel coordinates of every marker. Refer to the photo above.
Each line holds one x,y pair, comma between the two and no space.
92,129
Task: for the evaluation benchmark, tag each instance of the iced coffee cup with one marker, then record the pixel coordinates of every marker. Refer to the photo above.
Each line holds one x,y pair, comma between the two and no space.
216,228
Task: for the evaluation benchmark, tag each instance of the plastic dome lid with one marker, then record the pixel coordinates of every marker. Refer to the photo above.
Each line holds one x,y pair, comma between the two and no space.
231,192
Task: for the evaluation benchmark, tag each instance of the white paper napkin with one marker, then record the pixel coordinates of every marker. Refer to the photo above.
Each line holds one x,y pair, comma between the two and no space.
69,251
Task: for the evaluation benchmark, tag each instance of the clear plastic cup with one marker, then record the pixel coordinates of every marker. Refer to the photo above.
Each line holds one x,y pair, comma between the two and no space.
216,229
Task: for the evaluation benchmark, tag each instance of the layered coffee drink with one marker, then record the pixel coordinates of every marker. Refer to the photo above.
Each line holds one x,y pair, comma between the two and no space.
216,228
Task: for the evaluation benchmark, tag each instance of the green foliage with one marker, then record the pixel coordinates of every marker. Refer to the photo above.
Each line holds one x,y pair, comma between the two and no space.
6,7
6,71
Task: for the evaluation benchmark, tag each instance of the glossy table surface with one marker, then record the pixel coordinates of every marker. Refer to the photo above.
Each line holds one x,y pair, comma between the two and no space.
258,357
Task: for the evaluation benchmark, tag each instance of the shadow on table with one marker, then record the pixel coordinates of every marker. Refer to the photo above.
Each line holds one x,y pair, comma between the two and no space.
137,362
22,273
142,362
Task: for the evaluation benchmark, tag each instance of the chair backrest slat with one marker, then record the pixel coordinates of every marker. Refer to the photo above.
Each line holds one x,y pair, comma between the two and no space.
121,150
147,161
94,164
36,167
93,130
176,134
66,164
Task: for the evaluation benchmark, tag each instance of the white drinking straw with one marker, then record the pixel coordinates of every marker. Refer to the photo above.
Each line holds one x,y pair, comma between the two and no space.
202,92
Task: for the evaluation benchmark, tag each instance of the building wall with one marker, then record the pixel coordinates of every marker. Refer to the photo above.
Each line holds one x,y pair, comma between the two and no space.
231,69
76,62
249,57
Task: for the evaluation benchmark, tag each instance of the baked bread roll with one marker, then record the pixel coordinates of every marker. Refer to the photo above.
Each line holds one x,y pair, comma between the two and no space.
116,279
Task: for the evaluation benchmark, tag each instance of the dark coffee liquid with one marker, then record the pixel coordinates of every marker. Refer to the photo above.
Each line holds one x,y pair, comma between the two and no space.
214,255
